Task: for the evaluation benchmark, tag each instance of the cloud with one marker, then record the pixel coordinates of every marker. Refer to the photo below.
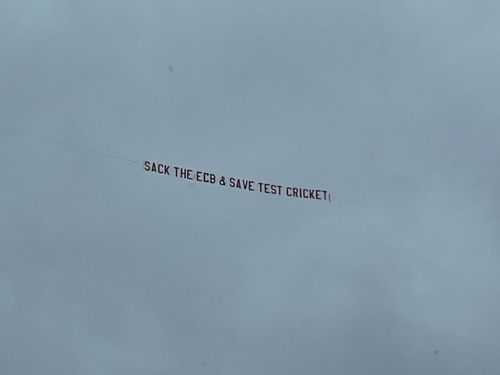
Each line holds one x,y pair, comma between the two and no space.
104,268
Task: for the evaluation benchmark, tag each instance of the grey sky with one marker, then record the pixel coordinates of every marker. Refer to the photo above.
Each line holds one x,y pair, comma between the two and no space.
391,105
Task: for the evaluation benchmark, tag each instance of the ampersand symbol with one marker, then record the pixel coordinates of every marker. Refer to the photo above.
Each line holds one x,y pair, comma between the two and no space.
222,181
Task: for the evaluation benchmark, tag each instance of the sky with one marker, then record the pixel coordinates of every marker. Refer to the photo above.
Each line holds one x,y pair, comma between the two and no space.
390,105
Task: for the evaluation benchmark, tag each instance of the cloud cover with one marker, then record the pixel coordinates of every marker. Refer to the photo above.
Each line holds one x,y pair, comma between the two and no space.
105,269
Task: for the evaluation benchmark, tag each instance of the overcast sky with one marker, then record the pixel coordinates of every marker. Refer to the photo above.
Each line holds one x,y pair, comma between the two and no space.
390,104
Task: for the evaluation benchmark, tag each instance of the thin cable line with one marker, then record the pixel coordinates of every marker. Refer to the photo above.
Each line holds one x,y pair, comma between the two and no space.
68,144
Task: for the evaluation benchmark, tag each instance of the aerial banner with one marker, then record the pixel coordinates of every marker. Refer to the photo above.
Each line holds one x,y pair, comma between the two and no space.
236,183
